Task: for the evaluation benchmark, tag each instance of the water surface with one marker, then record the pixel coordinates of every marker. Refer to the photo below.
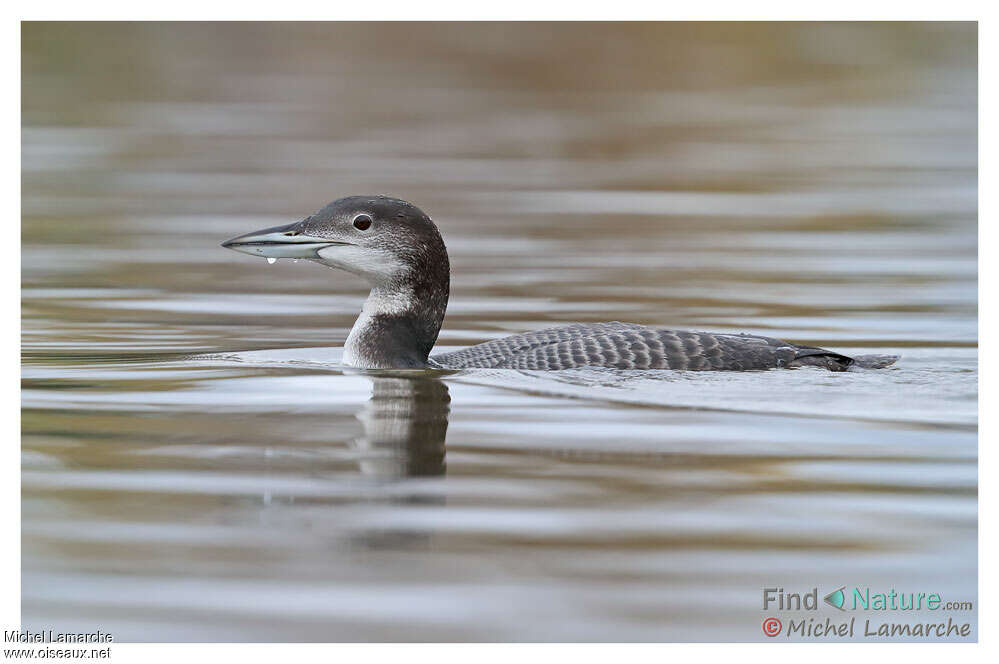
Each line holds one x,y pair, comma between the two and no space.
198,466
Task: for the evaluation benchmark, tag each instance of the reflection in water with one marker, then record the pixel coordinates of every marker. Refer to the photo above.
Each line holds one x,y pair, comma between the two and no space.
405,424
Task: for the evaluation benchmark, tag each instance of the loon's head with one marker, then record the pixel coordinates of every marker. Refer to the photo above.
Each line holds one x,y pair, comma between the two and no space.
384,240
397,249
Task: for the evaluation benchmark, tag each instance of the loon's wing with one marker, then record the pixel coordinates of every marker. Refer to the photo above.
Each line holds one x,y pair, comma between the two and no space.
493,353
628,346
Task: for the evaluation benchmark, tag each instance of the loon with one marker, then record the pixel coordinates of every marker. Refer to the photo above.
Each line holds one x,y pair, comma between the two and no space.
398,250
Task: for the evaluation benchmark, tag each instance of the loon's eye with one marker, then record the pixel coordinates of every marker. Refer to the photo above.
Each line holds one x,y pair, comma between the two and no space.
362,222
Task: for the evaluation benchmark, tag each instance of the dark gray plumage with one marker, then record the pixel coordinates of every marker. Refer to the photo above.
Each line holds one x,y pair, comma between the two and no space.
629,346
399,251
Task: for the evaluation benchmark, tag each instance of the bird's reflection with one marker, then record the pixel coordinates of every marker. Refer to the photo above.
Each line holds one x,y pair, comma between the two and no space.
404,428
405,424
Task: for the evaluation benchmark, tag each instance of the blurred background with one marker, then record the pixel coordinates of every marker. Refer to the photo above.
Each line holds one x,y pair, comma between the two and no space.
196,466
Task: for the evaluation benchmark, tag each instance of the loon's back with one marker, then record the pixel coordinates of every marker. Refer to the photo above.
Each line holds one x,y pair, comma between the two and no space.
629,346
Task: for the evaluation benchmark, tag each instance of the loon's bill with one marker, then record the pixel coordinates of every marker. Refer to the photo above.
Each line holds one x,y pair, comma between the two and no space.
398,250
279,242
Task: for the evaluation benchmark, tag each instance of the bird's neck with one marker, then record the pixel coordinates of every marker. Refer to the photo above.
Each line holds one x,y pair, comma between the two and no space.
399,323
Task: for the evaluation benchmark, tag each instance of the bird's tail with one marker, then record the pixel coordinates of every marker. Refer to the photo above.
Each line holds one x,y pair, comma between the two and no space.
874,361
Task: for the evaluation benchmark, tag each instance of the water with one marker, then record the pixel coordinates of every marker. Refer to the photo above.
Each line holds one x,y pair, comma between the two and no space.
198,466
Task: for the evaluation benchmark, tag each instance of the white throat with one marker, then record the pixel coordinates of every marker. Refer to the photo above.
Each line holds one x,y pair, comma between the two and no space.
381,302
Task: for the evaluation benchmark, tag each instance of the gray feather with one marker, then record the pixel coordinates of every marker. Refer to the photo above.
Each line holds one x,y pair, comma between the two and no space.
630,346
